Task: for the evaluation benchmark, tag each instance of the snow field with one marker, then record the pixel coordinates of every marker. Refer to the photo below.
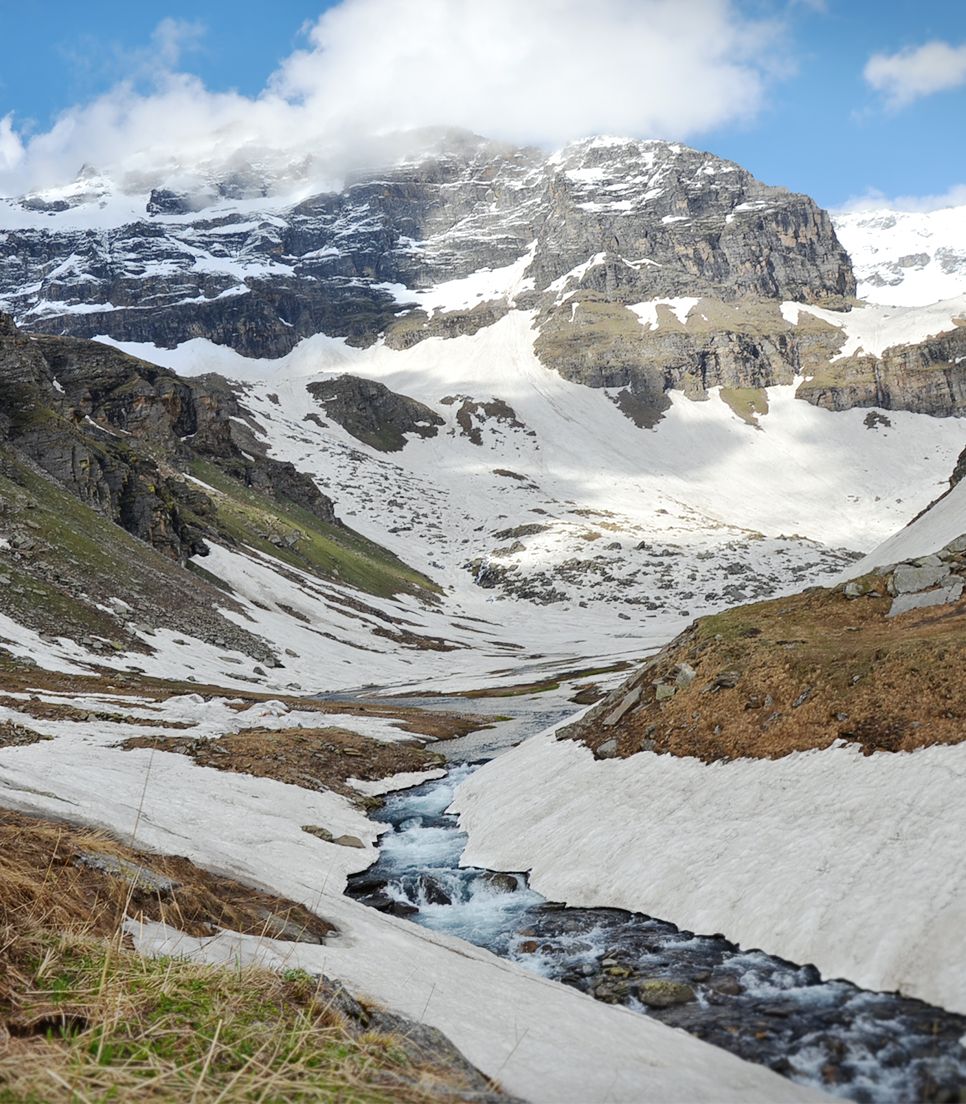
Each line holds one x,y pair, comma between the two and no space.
909,258
534,1036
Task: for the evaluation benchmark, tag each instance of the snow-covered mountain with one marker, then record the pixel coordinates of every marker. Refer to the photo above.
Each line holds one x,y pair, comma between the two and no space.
631,220
906,258
589,396
496,423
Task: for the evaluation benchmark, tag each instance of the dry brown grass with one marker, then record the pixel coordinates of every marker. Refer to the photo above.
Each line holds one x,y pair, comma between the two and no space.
50,869
808,670
313,758
85,1018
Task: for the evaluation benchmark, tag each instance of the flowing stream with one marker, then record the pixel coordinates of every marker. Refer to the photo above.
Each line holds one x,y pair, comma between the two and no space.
865,1046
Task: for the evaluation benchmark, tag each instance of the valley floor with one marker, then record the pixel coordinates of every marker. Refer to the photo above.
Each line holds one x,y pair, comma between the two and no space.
73,755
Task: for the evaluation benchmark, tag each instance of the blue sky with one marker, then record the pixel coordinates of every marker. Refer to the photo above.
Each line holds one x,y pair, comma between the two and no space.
804,114
56,53
826,132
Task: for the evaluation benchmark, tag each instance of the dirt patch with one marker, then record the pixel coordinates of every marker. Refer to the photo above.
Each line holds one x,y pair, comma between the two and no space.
58,711
790,674
587,694
406,639
520,688
313,758
425,722
418,722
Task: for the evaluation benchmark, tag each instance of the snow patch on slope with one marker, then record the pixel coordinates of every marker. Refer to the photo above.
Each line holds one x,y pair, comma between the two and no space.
532,1035
943,523
466,292
625,533
871,328
681,307
702,464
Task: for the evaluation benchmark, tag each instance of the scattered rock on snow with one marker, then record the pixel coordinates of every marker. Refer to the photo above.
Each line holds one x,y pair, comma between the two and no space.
348,841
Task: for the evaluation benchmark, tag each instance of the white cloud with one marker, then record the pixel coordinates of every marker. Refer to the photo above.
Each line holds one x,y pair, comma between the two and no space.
541,71
172,38
11,148
546,70
913,73
875,200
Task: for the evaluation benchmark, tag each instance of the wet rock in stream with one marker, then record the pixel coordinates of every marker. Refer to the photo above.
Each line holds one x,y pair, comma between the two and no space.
865,1046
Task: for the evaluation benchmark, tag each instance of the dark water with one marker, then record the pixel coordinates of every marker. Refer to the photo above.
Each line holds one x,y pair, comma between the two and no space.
856,1044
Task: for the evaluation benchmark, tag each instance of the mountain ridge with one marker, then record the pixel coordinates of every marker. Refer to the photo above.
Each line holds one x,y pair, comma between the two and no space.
498,313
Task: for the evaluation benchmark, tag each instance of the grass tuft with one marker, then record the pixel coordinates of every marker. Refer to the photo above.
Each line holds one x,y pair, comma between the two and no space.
91,1020
85,1018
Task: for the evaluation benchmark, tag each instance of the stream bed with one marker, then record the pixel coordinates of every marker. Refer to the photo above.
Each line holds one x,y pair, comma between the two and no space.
865,1046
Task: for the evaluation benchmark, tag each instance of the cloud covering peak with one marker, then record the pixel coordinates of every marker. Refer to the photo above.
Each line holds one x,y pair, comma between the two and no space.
542,72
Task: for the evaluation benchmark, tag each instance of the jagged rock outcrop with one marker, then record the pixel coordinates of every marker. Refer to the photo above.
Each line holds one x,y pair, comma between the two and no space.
959,472
928,378
472,415
417,325
668,219
119,433
372,413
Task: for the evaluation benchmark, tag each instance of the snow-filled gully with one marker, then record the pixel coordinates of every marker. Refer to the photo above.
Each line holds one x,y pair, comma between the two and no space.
854,1043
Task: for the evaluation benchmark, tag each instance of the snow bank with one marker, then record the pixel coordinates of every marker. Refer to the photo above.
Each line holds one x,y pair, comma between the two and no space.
543,1041
850,862
401,781
703,469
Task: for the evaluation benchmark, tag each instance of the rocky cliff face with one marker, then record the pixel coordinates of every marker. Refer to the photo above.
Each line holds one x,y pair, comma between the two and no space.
674,221
709,343
928,378
119,433
647,266
664,220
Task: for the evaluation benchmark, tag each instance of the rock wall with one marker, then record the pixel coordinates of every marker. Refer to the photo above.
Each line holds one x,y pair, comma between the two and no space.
119,432
928,378
745,344
673,221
